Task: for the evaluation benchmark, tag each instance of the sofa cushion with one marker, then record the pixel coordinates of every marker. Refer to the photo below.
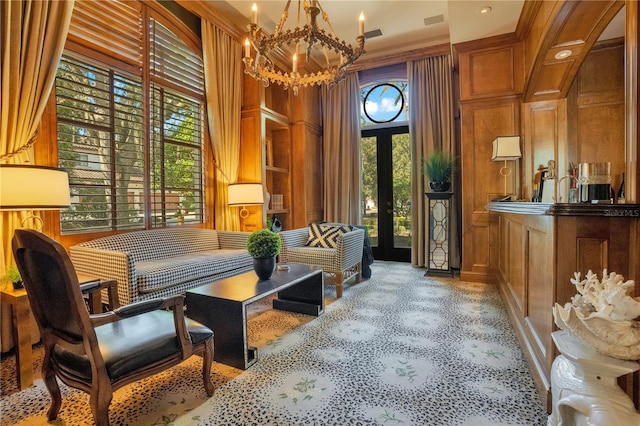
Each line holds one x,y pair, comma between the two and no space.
158,244
325,236
323,257
155,275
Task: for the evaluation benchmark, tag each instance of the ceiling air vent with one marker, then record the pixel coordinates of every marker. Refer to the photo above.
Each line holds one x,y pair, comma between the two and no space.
433,20
373,33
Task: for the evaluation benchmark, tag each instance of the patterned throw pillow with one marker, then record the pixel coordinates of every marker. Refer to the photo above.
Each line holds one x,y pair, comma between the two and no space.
325,236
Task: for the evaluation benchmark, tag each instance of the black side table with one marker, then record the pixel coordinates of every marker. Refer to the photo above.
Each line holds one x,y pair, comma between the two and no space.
439,213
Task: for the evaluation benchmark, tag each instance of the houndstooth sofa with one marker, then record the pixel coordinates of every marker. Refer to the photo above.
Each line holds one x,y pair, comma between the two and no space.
163,262
340,255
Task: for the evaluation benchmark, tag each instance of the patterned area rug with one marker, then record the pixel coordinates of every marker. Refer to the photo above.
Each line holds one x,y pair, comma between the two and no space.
398,349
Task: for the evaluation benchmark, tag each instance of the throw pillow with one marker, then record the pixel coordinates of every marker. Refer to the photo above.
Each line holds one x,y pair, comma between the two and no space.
325,236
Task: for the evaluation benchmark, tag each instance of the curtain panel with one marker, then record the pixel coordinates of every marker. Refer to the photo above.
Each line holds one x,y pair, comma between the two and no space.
223,82
31,43
431,92
341,151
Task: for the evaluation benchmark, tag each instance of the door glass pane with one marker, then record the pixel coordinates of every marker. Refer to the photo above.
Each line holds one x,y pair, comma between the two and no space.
370,188
401,168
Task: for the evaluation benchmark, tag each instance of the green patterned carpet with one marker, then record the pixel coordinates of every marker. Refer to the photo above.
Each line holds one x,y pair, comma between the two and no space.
398,349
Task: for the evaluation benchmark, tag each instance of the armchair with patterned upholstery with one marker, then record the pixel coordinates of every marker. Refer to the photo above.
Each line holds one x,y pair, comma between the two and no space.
336,248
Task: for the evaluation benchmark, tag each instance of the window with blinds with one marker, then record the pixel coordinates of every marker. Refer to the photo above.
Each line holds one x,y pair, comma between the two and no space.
131,164
101,146
176,158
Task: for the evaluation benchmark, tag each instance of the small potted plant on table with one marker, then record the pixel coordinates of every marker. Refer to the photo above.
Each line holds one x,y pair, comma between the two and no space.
264,245
14,276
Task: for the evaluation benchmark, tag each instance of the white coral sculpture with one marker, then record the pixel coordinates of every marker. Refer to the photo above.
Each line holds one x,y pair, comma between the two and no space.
604,315
610,298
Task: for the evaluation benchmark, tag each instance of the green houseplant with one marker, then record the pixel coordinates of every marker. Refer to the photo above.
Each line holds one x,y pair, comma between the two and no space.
439,168
13,275
264,245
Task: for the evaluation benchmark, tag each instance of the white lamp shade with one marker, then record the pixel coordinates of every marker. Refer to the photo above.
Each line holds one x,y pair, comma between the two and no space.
27,187
245,194
506,148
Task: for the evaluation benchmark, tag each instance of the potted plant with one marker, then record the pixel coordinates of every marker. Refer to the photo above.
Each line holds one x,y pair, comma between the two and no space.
438,168
14,276
264,245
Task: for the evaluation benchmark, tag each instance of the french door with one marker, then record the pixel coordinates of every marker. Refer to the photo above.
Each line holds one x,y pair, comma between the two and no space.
386,191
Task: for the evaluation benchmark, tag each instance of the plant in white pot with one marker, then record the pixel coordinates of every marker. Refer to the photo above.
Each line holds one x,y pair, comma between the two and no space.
439,168
264,245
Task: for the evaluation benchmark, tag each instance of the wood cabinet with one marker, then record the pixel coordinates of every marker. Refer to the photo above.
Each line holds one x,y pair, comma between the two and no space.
539,249
281,147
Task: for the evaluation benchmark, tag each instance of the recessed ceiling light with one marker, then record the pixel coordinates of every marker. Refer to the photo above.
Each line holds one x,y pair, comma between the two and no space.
485,10
563,54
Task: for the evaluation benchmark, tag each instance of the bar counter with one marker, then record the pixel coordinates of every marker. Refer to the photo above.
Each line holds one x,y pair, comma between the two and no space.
539,247
566,209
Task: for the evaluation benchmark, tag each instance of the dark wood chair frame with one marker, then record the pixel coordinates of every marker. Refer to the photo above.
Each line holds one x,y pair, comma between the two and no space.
45,265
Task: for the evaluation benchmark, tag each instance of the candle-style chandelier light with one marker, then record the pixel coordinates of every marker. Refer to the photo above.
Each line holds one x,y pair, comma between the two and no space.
308,37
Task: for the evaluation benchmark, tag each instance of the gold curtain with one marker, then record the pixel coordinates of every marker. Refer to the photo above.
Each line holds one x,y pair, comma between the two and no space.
223,83
431,92
341,151
32,39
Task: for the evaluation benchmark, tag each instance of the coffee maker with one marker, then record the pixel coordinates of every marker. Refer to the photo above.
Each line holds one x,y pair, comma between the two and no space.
594,182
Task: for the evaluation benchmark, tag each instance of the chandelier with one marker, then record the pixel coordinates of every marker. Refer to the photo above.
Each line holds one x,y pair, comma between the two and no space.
262,68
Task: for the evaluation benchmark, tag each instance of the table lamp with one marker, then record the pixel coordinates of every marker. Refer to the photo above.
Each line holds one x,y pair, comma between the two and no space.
506,148
30,187
245,194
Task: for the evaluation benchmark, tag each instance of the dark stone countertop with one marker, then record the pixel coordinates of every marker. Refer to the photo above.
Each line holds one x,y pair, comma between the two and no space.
565,209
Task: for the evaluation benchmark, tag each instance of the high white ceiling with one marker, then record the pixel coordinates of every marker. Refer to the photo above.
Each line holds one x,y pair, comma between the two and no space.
402,22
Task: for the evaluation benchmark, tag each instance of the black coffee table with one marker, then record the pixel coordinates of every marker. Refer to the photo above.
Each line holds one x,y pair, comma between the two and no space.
222,306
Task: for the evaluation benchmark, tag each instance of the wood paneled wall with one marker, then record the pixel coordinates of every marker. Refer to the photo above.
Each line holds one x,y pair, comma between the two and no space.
597,109
544,137
307,175
490,107
492,71
586,126
481,179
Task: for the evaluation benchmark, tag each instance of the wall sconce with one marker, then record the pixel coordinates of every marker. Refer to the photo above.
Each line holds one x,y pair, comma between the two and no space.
506,148
29,187
245,194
